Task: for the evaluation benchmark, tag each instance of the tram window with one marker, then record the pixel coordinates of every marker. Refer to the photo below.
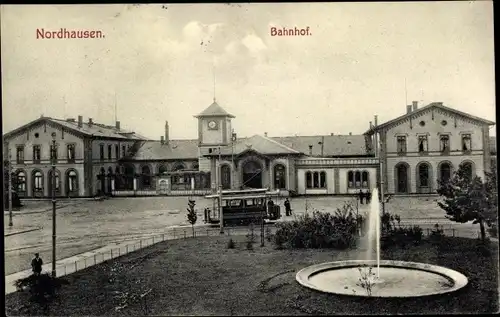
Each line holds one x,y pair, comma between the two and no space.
234,203
250,202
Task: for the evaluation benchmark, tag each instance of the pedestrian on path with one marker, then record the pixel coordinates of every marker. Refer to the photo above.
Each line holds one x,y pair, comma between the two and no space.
288,208
36,264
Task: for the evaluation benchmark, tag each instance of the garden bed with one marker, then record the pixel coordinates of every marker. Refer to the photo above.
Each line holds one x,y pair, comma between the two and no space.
201,276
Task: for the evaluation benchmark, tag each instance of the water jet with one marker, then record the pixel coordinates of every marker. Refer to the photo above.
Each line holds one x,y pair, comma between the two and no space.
392,278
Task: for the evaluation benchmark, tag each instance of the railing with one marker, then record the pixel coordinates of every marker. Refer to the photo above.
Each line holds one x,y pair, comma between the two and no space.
343,161
93,258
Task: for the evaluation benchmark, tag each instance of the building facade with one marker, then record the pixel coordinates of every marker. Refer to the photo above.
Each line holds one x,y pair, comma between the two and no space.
409,153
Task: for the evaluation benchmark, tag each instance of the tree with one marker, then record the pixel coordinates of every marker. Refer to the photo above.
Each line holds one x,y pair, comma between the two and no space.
191,215
469,199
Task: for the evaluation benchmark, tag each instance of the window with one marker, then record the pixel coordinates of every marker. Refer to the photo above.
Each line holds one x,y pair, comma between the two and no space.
225,171
466,142
37,154
364,179
162,169
110,152
444,142
124,151
315,180
53,152
422,143
146,176
71,152
358,179
423,173
467,167
279,177
401,147
72,181
101,152
117,151
37,181
350,179
21,181
309,180
51,180
20,154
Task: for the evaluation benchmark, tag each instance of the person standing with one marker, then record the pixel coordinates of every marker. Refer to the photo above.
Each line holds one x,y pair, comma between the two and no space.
361,196
288,208
36,264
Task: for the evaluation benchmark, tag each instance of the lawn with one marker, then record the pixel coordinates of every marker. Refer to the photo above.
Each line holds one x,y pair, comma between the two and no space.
200,276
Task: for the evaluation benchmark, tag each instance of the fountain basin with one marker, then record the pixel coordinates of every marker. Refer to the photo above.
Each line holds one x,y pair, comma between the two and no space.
397,278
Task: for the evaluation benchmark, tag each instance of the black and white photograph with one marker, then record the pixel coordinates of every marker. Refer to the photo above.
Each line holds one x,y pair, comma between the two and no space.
249,159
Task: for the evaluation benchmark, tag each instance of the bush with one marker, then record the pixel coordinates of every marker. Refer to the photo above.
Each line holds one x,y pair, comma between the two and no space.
249,245
493,231
42,287
393,234
321,230
231,244
437,234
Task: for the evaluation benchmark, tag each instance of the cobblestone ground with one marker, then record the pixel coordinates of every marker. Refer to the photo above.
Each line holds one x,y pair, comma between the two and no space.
84,225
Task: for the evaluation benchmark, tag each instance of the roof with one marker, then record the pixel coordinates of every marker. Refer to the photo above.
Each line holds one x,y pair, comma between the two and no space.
214,110
436,105
173,150
333,145
493,144
92,130
260,144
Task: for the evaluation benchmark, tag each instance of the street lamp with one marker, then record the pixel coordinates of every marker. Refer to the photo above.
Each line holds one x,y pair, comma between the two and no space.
54,161
10,189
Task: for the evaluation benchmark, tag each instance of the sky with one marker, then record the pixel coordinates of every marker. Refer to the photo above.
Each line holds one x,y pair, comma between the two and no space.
159,63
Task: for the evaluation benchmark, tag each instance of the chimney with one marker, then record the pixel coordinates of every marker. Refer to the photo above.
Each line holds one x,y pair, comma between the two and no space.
117,125
265,134
415,105
166,133
371,125
162,140
90,122
80,121
408,108
310,149
331,134
376,120
350,133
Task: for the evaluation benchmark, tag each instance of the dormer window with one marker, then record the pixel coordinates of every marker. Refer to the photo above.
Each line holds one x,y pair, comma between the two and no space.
466,142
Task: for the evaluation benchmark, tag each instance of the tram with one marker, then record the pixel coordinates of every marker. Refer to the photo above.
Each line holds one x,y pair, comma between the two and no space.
242,207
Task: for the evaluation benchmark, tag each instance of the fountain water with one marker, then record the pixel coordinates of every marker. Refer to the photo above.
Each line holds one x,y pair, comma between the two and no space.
392,279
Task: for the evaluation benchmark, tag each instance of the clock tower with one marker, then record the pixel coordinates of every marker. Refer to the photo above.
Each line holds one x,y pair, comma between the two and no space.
214,130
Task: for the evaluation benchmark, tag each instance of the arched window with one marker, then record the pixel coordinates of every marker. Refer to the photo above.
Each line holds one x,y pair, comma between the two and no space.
322,179
365,183
309,183
468,169
350,179
315,180
423,175
162,169
37,181
146,176
279,176
21,181
225,172
444,172
178,167
51,181
129,174
357,179
72,181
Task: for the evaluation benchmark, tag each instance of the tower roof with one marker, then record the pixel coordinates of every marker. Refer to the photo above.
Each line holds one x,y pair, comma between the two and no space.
214,110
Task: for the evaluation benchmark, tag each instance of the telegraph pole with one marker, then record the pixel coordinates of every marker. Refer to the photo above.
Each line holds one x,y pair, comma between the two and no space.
219,189
54,159
10,189
378,145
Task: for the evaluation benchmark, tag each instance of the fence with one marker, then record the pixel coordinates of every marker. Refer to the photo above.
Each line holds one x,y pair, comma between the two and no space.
68,266
140,193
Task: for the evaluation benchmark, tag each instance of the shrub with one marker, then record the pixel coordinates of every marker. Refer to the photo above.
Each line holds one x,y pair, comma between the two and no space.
493,231
269,235
231,244
43,288
437,234
249,245
393,234
320,230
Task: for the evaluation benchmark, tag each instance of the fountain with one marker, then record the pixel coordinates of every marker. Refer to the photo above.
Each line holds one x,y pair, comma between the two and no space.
390,279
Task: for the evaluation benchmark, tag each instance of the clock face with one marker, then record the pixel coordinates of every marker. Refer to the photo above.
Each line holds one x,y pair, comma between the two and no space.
212,125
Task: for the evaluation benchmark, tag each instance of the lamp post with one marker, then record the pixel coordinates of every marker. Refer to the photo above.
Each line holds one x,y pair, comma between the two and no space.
10,189
219,190
54,159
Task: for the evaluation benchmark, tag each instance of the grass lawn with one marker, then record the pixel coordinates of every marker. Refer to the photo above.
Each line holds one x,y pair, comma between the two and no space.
200,276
